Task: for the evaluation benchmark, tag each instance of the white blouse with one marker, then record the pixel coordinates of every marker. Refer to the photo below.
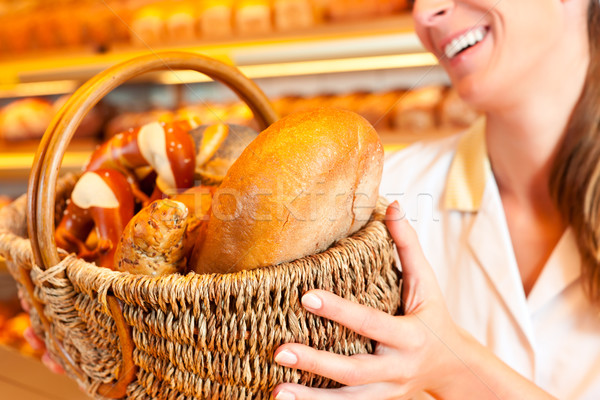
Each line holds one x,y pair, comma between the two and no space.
450,196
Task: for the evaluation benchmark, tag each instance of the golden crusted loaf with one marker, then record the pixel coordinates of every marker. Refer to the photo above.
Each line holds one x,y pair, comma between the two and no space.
308,180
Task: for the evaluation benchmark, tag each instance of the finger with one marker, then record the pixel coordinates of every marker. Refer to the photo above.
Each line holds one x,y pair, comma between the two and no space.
361,319
417,274
379,391
359,369
34,341
405,238
24,303
51,364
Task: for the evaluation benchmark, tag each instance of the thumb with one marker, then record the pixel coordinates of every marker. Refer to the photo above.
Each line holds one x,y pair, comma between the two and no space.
419,282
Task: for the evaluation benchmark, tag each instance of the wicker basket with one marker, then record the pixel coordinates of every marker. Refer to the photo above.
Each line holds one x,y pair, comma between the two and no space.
175,337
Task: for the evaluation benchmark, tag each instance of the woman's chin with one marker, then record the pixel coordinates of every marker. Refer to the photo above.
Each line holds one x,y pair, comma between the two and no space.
468,90
472,92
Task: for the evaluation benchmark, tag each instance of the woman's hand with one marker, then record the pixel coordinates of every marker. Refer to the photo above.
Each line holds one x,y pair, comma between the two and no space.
423,350
36,343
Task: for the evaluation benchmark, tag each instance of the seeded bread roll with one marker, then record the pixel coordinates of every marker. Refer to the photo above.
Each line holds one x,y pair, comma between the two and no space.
153,240
308,180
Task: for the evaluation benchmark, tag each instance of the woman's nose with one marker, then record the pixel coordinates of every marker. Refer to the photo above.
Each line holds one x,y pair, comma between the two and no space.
427,12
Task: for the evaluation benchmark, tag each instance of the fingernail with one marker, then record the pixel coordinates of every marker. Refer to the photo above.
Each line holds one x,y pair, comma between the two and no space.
286,357
51,364
283,395
397,209
311,301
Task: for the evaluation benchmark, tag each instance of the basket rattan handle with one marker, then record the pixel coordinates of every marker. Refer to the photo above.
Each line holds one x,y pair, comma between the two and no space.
46,168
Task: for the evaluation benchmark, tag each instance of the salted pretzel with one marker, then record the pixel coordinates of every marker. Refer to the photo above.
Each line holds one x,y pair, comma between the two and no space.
167,148
101,204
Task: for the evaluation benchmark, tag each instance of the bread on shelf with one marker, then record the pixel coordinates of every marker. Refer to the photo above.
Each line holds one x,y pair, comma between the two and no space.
26,118
252,17
293,14
216,19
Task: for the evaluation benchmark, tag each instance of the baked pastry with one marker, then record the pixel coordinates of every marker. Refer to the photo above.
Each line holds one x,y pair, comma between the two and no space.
4,200
129,120
218,146
92,123
417,110
252,17
180,22
455,112
149,26
159,238
153,240
212,138
343,10
377,108
216,18
293,14
198,200
306,181
25,119
101,202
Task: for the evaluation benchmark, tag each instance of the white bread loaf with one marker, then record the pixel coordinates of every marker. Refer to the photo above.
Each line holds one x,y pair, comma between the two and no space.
308,180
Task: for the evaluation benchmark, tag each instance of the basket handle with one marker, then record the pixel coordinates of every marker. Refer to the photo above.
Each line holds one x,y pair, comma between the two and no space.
45,171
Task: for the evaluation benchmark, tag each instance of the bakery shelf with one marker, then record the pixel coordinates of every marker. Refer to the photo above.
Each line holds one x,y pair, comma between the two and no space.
15,164
17,158
385,43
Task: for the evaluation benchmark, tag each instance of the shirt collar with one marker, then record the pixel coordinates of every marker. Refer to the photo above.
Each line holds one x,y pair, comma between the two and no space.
468,171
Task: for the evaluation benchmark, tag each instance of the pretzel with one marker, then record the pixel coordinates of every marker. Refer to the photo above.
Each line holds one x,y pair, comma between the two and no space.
102,201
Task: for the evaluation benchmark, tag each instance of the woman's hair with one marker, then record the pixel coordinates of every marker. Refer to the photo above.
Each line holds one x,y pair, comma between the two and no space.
575,177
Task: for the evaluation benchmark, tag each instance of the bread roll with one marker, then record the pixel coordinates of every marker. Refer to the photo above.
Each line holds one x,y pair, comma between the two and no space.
4,200
344,10
25,118
455,112
417,110
293,14
252,17
216,18
153,240
91,124
308,180
180,22
197,200
212,169
149,26
377,109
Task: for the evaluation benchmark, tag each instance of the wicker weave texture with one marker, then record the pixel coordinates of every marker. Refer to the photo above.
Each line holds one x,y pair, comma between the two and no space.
205,336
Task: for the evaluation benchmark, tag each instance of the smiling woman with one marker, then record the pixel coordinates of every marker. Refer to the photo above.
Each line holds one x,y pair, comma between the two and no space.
501,286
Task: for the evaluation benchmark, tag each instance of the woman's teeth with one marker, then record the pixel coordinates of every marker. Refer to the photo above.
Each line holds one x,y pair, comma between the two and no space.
465,41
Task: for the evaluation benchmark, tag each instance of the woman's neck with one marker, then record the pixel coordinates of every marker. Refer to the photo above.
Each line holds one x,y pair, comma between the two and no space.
523,138
521,152
522,144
